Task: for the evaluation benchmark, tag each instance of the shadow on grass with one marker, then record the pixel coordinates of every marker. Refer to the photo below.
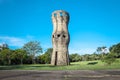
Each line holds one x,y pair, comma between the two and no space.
9,67
92,63
12,67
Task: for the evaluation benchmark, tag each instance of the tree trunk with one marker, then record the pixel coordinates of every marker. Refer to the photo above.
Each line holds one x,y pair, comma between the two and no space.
21,61
33,60
9,61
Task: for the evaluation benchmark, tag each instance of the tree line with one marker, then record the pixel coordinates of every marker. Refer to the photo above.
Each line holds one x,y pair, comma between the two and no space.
101,54
30,53
25,55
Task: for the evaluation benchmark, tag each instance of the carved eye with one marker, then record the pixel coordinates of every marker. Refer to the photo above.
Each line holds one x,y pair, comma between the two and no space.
53,36
58,35
64,36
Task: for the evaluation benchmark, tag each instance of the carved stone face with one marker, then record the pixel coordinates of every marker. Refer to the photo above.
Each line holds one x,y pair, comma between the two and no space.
60,38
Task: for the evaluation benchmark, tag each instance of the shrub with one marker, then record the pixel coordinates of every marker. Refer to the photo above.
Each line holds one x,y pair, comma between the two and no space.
109,58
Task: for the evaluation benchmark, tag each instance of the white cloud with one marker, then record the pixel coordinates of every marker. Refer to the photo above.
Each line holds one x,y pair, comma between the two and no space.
13,41
82,51
30,37
18,42
87,51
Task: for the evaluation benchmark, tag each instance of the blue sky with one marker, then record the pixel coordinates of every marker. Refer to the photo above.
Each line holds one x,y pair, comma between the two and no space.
93,23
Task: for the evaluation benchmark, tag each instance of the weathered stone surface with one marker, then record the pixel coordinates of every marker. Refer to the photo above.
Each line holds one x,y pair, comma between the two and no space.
60,38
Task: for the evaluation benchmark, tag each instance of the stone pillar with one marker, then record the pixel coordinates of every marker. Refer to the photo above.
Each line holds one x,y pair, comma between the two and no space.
60,38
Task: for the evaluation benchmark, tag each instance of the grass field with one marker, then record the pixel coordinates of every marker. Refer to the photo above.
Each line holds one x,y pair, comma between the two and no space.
84,65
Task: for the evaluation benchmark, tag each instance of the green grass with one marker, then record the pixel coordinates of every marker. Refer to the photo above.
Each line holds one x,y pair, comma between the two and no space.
84,65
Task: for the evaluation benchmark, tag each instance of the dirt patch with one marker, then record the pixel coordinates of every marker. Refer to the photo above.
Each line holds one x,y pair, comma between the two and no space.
60,75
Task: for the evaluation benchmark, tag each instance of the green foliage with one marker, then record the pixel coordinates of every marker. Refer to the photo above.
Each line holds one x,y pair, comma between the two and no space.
83,65
115,49
46,58
86,57
4,46
32,48
75,57
94,56
19,55
101,50
109,58
30,54
12,57
6,56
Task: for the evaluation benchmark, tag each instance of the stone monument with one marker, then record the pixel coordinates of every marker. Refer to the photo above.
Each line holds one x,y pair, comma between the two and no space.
60,38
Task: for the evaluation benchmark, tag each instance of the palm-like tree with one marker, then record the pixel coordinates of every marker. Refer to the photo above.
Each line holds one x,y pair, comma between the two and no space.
102,50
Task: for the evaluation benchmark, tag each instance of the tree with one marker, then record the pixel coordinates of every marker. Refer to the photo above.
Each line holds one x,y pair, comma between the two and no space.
75,57
3,46
46,58
109,58
86,57
1,58
6,55
95,56
48,54
20,55
33,48
115,49
102,50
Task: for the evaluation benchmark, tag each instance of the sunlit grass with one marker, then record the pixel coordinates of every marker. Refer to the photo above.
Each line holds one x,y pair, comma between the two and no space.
84,65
